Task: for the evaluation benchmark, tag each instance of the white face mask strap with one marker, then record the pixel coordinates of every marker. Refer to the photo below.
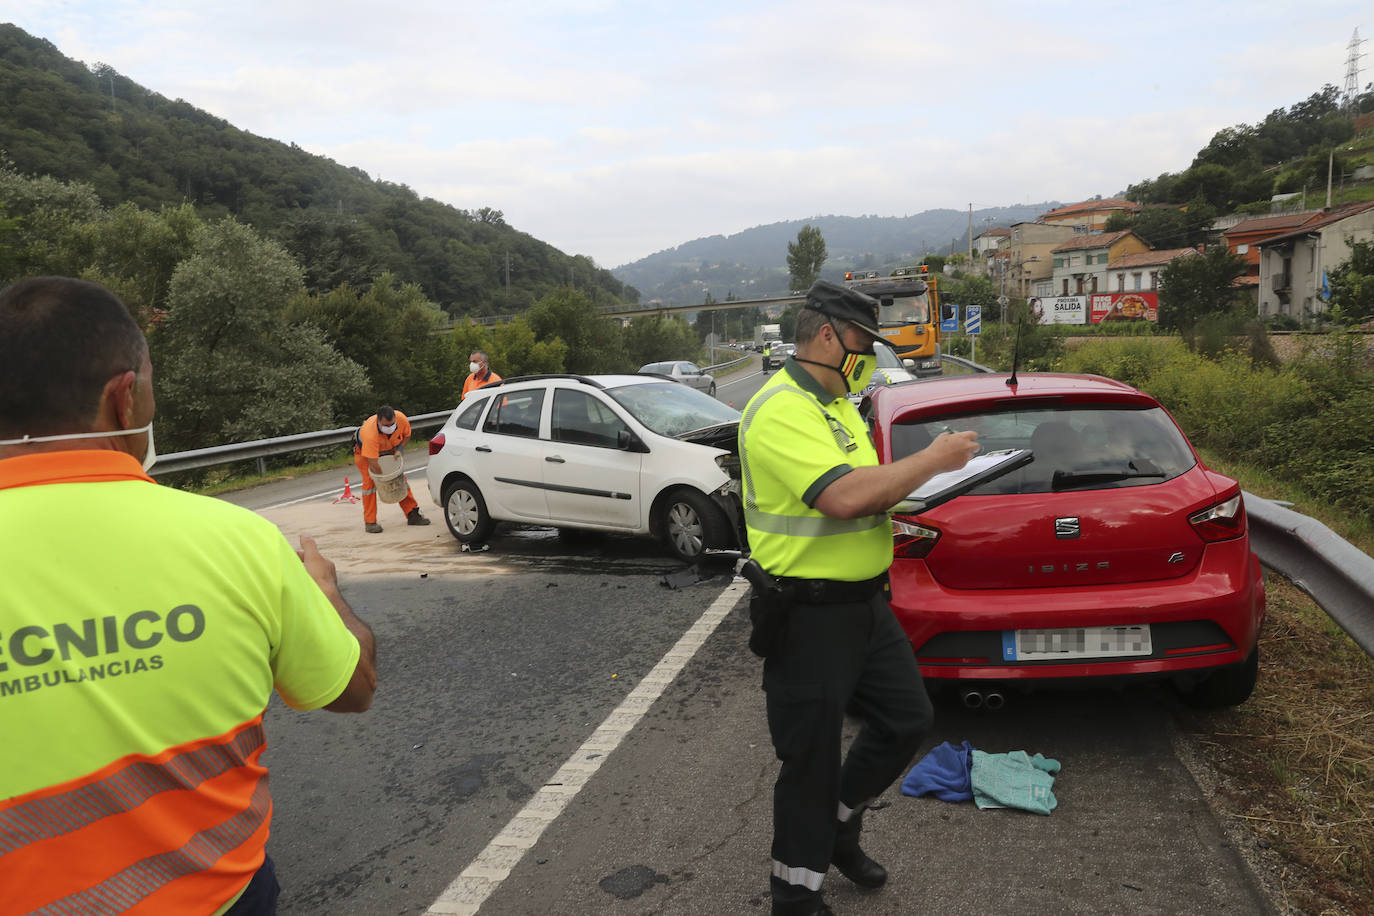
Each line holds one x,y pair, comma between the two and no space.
114,432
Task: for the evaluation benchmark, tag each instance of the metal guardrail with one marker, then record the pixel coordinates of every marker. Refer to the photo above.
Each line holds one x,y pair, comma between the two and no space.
728,365
1335,573
262,448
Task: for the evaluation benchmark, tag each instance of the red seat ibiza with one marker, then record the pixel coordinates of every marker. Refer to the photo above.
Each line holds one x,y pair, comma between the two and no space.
1115,553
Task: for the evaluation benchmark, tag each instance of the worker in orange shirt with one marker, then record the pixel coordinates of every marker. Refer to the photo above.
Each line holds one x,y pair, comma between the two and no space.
481,373
384,433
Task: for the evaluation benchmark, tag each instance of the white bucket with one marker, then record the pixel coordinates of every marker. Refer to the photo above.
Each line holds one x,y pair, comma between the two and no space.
390,481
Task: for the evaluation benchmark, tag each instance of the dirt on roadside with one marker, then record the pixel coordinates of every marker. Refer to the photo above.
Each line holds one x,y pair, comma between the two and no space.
1289,772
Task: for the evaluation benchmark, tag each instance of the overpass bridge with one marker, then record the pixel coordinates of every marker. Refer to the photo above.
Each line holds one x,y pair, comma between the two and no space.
623,313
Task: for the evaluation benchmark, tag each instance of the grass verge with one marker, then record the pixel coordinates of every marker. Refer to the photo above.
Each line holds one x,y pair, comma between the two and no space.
1292,766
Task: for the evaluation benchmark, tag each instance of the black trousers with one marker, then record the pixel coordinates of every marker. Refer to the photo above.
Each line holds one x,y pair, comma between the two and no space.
832,658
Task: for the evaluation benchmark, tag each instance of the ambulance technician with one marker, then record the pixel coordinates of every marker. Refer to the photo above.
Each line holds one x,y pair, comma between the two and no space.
142,631
815,506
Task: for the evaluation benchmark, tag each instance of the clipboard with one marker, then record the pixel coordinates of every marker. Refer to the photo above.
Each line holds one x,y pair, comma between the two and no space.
980,469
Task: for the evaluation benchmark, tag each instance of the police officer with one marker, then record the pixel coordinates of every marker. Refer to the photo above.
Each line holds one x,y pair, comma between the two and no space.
815,505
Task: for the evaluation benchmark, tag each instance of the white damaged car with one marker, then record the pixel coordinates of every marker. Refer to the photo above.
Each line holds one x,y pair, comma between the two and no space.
635,454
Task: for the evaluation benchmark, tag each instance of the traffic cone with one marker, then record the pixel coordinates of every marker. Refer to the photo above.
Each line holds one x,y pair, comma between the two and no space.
347,495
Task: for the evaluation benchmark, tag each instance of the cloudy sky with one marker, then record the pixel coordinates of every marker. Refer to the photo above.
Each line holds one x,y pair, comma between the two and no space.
617,129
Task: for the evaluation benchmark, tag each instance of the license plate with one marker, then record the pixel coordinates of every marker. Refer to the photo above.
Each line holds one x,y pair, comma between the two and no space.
1076,642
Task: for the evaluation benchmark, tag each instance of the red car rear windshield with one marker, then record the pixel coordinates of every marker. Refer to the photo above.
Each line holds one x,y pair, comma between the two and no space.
1076,448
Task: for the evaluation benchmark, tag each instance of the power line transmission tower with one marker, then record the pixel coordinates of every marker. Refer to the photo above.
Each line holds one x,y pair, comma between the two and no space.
1352,72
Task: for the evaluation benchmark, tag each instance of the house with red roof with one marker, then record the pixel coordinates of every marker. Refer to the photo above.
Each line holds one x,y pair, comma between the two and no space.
1294,264
1081,263
1089,215
1138,271
1242,240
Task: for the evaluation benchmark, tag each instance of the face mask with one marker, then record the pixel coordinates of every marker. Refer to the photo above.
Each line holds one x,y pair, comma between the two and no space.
473,367
149,457
387,430
855,368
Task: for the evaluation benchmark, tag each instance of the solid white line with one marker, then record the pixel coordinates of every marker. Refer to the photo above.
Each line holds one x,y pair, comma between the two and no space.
333,492
492,865
737,381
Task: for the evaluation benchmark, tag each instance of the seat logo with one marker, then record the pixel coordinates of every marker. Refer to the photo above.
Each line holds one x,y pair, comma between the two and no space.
1066,528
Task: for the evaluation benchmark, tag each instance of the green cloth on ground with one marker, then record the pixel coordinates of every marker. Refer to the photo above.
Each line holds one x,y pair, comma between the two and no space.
1014,780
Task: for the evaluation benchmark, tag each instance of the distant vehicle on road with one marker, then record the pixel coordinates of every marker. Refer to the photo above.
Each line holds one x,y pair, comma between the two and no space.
765,334
687,373
777,355
635,454
1115,554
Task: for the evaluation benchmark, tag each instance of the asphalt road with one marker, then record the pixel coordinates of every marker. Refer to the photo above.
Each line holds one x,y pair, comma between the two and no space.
513,755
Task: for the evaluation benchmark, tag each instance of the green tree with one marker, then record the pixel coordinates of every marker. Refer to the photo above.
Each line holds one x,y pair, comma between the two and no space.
1352,285
231,367
656,338
805,257
1192,287
594,342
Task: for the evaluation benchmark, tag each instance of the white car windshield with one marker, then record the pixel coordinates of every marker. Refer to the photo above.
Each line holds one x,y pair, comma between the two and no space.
887,357
672,409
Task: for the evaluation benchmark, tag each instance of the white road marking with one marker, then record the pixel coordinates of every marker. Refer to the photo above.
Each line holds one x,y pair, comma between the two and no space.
484,874
737,381
334,492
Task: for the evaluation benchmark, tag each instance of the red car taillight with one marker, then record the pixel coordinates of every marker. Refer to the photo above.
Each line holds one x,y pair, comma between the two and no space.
436,445
910,540
1221,522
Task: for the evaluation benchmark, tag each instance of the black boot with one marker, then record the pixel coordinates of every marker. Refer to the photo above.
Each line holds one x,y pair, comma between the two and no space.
850,860
813,907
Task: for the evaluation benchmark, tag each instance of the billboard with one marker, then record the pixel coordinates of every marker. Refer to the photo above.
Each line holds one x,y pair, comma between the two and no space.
1060,309
1124,307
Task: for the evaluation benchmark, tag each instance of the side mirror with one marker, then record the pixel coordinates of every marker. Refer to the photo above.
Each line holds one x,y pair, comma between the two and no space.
909,363
627,441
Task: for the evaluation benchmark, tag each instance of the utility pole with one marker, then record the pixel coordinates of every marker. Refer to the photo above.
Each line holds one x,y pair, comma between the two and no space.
508,274
970,236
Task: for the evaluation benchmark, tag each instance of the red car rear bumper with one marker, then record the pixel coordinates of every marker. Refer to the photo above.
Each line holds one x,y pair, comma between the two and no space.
1207,619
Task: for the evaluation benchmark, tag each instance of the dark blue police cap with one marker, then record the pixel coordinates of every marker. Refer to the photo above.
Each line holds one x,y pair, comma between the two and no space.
846,304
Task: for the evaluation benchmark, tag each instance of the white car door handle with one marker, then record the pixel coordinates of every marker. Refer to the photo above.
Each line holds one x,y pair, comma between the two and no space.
482,448
555,459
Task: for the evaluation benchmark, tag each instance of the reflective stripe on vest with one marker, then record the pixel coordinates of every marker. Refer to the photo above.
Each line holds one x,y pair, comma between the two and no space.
802,526
41,833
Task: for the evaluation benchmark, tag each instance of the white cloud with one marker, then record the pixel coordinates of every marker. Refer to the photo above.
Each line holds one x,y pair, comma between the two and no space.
617,128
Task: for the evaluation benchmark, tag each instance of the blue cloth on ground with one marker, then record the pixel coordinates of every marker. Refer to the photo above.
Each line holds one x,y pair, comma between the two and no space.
1013,780
944,773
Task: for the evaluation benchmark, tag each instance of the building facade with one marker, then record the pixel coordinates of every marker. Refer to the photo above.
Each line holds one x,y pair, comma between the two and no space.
1292,265
1079,267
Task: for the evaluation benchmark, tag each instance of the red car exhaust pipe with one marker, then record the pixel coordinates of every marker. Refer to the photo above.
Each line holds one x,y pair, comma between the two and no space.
993,699
972,698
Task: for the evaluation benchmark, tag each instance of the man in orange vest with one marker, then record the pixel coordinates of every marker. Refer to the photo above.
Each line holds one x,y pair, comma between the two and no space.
480,372
384,433
142,638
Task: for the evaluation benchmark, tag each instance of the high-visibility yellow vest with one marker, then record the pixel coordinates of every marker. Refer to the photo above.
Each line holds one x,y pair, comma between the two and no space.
142,630
795,440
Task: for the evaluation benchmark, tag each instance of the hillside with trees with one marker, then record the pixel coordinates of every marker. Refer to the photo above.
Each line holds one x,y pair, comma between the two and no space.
751,264
131,145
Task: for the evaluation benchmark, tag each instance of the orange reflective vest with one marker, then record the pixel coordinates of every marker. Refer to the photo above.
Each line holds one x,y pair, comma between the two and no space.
372,441
473,382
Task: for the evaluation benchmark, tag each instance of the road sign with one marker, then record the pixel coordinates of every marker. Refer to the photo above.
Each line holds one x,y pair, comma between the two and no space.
951,324
973,324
